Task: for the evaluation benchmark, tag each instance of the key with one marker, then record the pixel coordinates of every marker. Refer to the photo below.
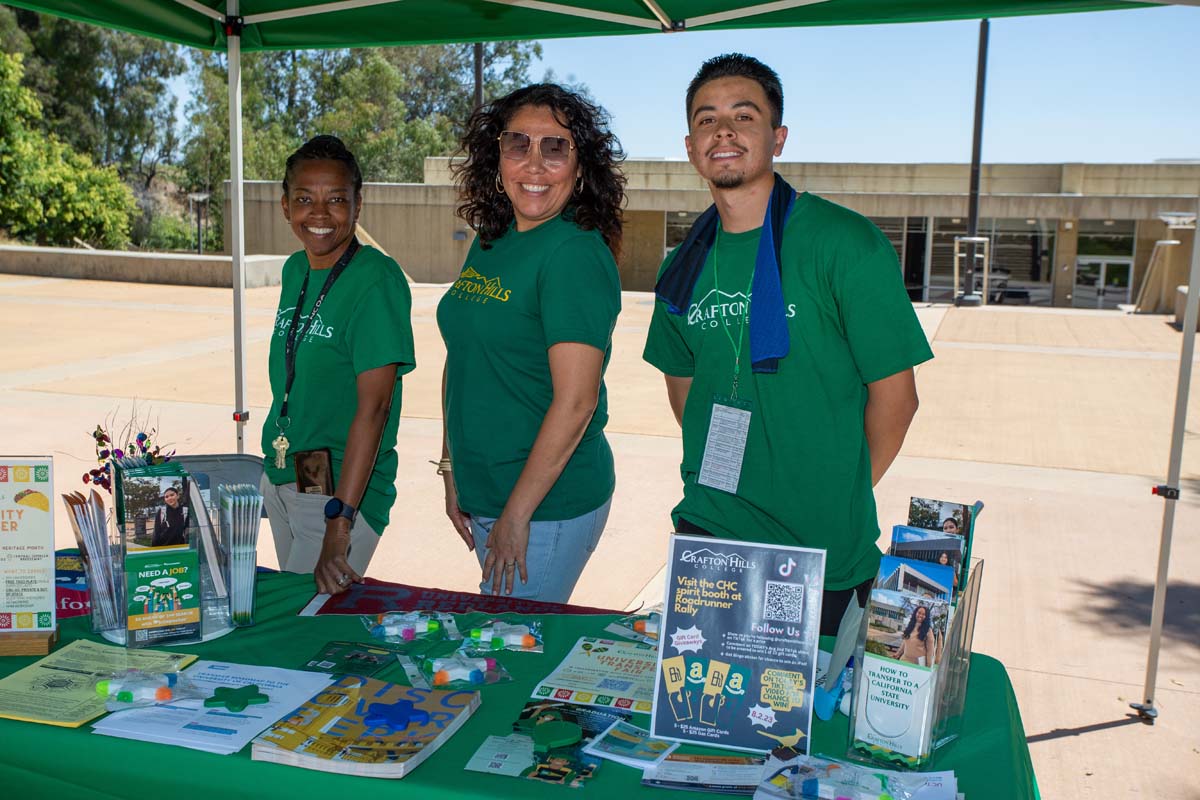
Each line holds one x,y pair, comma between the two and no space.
281,447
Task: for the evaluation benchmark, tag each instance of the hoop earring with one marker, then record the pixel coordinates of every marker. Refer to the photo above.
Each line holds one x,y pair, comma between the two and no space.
579,185
499,185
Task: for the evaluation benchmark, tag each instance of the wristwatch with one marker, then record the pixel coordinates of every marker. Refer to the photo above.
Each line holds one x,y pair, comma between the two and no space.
339,508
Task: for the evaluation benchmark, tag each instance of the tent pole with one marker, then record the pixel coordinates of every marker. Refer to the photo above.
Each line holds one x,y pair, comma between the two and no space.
478,52
969,297
1170,491
237,219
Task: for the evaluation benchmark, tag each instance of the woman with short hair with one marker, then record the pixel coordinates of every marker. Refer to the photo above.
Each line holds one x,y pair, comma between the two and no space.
342,339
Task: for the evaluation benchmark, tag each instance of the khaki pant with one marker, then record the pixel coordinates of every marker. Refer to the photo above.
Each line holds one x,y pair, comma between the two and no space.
298,527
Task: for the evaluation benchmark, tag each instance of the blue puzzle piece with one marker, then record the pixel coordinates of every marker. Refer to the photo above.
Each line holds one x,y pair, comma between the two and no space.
394,716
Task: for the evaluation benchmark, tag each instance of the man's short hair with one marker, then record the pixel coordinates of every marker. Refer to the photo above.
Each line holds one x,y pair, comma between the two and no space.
737,65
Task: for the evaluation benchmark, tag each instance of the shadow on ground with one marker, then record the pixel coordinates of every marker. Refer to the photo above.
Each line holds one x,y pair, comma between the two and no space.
1126,605
1060,733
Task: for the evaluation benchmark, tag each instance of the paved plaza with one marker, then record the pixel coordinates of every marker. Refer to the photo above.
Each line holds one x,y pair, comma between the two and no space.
1058,420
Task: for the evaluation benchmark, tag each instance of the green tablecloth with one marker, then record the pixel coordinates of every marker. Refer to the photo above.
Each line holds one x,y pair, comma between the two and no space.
991,759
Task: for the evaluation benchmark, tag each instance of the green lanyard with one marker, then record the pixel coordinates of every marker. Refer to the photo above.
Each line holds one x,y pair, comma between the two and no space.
736,346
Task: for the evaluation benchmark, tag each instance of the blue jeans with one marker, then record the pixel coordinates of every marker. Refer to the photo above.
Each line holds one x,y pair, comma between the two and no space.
557,553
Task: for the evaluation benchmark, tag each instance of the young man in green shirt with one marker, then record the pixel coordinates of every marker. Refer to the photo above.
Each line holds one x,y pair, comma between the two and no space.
787,341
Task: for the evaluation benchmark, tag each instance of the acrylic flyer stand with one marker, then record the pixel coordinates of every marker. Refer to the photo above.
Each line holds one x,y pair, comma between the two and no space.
904,711
141,530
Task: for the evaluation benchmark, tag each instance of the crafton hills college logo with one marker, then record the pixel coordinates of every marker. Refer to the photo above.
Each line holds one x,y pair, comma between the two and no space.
711,559
478,288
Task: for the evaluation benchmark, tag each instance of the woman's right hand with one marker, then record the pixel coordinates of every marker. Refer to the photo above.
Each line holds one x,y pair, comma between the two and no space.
458,518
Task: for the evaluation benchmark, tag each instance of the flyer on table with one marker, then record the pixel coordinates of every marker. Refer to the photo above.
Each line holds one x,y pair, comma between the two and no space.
163,595
739,644
26,545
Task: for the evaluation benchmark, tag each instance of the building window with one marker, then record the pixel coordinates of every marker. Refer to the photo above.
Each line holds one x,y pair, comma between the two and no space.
1113,237
678,225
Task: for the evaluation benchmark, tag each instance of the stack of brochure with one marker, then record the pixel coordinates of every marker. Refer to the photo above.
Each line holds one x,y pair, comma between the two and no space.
89,523
915,635
221,730
807,776
241,515
73,670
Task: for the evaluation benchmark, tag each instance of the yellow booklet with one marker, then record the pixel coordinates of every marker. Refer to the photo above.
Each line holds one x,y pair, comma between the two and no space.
361,726
60,689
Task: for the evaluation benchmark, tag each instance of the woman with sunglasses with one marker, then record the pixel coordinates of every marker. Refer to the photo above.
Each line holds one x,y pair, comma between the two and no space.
528,328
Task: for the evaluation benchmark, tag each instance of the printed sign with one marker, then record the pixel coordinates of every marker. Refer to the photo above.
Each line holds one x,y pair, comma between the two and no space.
739,644
27,601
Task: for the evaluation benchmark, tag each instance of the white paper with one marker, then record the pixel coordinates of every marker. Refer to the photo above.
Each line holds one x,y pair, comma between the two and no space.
725,447
630,745
701,775
936,785
503,755
605,673
894,711
187,723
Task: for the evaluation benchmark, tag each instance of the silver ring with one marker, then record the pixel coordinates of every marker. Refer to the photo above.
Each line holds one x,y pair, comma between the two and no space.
342,581
510,564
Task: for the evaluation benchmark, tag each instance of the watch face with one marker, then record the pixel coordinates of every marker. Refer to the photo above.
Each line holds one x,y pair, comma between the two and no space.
333,508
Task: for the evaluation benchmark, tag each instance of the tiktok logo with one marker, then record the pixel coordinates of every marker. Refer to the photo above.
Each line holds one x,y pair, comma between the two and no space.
786,570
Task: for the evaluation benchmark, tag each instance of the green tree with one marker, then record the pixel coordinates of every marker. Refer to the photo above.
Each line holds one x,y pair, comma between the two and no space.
440,79
368,114
393,106
50,193
924,513
105,93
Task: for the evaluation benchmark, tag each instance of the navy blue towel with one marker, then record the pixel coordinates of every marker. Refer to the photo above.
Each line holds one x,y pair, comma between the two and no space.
769,340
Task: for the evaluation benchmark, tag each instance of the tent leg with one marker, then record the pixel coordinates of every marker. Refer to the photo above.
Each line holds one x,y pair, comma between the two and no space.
1170,491
236,221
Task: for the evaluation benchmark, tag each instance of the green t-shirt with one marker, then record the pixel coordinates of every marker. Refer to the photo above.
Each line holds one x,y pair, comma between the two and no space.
528,291
364,323
806,473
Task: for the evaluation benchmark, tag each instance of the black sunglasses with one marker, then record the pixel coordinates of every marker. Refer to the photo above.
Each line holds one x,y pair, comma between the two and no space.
556,150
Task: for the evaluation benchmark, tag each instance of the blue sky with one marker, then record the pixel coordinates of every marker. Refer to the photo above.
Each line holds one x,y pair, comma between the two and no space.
1103,87
1116,86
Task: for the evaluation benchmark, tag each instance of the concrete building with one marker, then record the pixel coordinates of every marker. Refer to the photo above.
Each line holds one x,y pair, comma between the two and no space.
1079,235
906,579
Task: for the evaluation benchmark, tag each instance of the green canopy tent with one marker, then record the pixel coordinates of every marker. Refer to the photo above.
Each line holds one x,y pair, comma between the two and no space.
234,25
301,24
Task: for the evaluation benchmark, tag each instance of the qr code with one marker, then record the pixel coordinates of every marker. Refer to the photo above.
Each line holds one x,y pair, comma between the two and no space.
141,636
784,602
614,685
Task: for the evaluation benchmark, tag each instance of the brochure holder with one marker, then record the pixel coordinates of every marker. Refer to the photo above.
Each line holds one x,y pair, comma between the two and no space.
136,584
903,714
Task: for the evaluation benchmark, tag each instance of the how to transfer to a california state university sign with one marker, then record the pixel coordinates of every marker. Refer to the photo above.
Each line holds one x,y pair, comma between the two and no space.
738,650
26,545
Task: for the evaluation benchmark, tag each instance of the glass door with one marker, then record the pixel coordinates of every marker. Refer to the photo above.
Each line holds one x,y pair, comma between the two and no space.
1101,282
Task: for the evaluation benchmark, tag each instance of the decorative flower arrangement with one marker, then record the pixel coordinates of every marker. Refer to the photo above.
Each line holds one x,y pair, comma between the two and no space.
139,445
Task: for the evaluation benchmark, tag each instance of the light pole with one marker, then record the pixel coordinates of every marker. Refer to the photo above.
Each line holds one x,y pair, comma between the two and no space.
198,199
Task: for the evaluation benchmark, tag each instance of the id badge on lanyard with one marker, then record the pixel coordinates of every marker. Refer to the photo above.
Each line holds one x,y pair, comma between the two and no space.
729,423
725,447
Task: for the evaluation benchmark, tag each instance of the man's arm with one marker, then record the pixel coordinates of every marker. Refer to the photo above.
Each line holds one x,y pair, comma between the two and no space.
891,405
677,393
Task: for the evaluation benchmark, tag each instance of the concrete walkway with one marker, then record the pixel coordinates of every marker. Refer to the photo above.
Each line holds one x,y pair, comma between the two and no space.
1058,420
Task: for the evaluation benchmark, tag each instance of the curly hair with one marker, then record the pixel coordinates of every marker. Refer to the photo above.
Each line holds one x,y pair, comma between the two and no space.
596,206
